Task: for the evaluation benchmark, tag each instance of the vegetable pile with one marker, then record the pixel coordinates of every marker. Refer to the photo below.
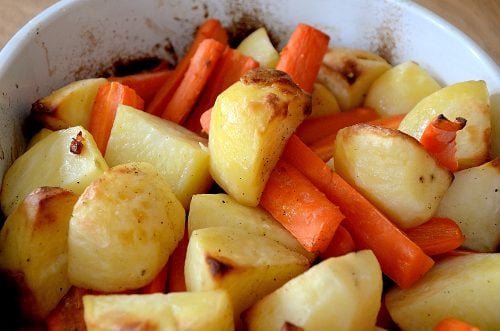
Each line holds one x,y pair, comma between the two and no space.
313,188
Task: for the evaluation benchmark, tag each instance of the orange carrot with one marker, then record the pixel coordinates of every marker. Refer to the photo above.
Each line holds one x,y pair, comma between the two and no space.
342,243
400,258
145,84
313,129
454,324
300,207
176,280
390,122
439,140
437,236
228,70
68,314
205,120
211,28
158,284
201,66
303,54
109,96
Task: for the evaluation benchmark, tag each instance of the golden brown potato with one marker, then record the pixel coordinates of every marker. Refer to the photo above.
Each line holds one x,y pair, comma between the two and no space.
68,106
348,73
123,229
393,171
250,124
341,293
33,249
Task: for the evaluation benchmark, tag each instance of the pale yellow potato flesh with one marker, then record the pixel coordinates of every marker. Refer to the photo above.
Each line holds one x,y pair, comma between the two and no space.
258,46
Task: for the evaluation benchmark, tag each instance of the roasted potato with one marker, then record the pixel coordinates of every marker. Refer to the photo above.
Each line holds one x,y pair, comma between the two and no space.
341,293
66,158
393,171
182,311
250,124
247,266
323,101
258,46
399,89
68,106
178,154
464,287
473,201
34,250
124,227
348,73
469,100
208,210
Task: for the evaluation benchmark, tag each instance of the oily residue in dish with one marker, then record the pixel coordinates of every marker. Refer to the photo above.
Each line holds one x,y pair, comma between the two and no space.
386,37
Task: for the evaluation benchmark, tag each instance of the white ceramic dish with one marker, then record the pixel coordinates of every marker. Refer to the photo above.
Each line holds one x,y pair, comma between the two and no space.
75,39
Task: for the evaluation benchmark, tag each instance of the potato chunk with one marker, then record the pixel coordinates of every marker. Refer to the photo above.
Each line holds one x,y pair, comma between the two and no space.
193,311
473,201
178,154
208,210
469,100
246,265
250,124
258,46
34,250
464,287
53,162
123,229
393,171
342,293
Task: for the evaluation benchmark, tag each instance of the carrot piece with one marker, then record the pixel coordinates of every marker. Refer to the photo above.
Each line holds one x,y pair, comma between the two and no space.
300,207
453,324
400,258
158,284
390,122
109,96
439,140
303,54
145,84
313,129
211,28
437,236
201,66
228,70
205,120
176,280
342,243
68,314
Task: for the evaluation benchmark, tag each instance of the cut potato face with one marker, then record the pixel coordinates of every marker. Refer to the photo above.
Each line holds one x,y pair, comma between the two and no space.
393,171
123,229
463,287
258,46
178,154
34,250
343,293
399,89
58,161
348,73
469,100
40,135
473,202
245,265
209,210
250,124
323,101
194,311
68,106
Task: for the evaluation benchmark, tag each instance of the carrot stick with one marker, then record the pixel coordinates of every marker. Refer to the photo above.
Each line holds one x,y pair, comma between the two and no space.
68,314
439,140
341,243
437,236
211,28
228,70
400,258
109,96
201,66
205,120
313,129
453,324
158,284
145,84
390,122
176,280
300,207
303,54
